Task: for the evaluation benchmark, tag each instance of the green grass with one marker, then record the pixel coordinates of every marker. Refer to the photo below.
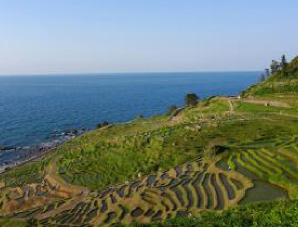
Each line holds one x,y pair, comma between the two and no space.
99,159
276,213
206,108
14,223
270,88
120,158
27,174
268,111
256,108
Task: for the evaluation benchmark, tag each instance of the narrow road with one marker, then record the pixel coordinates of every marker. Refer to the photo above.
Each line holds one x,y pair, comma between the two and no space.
231,106
58,182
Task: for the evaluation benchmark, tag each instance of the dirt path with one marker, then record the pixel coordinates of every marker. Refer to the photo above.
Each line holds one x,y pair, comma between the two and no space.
286,115
60,184
267,102
290,96
231,106
177,117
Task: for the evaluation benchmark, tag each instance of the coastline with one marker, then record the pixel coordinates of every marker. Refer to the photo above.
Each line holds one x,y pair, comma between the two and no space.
8,167
44,148
24,155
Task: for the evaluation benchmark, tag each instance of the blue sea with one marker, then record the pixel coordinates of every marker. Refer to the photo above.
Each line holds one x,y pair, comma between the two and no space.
32,108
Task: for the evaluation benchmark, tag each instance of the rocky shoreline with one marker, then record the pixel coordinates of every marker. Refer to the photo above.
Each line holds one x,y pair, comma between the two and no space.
11,156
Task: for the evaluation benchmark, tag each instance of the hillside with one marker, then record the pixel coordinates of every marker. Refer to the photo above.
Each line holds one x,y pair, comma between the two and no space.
222,154
288,73
282,82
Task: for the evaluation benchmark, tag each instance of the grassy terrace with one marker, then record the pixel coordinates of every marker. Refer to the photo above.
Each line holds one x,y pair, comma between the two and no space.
123,152
277,213
218,154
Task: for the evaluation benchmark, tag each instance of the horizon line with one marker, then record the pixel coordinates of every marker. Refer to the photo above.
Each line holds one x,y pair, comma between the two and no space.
123,72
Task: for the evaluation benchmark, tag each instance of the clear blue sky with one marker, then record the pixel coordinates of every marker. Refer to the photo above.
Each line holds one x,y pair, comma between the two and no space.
75,36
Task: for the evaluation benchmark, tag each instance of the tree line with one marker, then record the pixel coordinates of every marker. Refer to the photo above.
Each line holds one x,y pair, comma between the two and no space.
275,67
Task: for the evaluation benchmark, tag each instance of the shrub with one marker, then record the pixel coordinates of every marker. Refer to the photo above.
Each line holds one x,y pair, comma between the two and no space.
191,99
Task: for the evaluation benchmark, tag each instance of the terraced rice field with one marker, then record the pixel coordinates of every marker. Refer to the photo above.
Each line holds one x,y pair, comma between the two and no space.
184,190
115,159
256,171
278,163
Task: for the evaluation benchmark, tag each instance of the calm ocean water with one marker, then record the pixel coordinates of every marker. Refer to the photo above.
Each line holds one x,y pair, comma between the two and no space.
32,108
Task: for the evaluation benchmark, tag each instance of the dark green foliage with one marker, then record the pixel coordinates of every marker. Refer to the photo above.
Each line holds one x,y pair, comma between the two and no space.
267,73
284,62
218,149
287,71
275,67
284,79
191,99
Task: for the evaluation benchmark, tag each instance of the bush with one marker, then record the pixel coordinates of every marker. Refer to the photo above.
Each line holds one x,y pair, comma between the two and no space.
191,99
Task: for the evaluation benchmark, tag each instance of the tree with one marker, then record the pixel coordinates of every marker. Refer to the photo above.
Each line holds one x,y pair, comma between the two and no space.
262,78
284,62
267,73
191,99
275,67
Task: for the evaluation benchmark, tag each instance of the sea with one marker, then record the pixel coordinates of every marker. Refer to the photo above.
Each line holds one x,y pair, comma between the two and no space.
34,108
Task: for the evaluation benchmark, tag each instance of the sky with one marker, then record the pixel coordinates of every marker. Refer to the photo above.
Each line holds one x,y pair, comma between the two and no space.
95,36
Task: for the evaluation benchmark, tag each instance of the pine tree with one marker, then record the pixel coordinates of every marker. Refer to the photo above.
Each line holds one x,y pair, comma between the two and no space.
191,99
284,62
267,73
275,67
